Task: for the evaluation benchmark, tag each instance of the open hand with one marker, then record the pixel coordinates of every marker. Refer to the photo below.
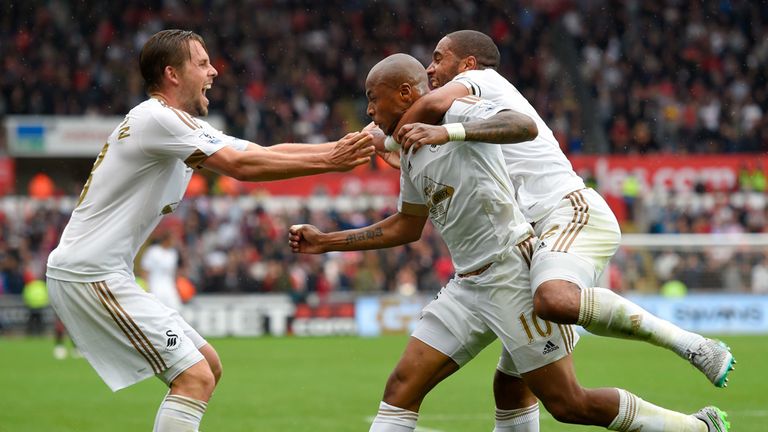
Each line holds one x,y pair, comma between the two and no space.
356,148
390,158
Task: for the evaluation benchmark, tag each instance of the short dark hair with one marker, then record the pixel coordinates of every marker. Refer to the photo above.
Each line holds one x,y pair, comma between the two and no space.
465,43
165,48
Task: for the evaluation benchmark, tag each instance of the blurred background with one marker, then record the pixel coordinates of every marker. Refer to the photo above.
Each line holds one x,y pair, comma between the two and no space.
660,106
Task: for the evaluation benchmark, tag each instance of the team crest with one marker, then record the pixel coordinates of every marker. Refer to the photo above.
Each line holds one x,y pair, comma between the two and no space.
439,198
172,341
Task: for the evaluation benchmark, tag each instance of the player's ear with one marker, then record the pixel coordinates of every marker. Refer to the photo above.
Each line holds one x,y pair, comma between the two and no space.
406,92
171,74
470,63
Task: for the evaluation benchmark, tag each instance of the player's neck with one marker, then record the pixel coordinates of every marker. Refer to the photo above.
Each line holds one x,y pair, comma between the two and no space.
165,99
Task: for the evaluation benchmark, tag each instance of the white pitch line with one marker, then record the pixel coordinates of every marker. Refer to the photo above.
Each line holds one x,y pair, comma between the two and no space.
747,413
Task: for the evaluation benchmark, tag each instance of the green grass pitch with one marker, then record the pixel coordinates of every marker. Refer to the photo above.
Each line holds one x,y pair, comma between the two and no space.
335,384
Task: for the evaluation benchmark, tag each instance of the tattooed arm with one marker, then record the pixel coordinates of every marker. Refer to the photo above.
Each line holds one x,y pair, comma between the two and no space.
398,229
505,127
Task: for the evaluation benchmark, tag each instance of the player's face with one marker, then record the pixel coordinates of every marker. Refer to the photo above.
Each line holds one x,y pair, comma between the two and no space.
384,106
196,78
445,64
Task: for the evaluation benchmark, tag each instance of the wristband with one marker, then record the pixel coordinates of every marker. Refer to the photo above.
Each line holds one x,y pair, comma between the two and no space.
390,144
455,131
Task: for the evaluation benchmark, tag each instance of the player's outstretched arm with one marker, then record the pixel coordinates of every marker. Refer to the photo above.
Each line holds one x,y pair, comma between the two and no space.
505,127
398,229
265,163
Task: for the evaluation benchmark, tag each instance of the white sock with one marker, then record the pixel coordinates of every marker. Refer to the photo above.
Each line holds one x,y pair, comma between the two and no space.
636,414
606,313
179,414
518,420
393,419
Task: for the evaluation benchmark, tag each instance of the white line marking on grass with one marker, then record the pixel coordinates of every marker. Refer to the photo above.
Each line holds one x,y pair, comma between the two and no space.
747,413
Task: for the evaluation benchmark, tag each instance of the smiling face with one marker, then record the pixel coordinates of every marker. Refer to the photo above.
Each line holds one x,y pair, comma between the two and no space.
195,78
445,64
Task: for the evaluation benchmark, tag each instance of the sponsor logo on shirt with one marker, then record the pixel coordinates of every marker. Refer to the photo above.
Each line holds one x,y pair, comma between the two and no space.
210,139
439,198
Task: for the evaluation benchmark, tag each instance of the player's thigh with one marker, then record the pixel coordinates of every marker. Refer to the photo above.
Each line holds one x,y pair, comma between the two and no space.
126,334
506,307
576,240
420,368
452,325
555,384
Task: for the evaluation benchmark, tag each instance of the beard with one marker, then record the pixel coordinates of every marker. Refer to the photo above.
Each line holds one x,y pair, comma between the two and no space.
195,104
196,107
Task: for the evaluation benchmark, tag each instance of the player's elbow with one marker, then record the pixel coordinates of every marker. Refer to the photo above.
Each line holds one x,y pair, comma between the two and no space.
529,129
412,236
412,232
229,162
244,168
434,108
238,170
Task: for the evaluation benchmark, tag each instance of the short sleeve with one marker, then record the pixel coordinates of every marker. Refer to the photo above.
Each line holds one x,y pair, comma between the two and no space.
410,201
174,133
470,84
470,108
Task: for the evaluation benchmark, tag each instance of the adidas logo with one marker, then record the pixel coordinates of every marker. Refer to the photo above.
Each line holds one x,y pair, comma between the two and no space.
549,347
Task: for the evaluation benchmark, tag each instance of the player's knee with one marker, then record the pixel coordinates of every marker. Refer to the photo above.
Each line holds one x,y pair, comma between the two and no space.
214,362
511,392
566,409
206,383
402,391
396,384
197,382
557,301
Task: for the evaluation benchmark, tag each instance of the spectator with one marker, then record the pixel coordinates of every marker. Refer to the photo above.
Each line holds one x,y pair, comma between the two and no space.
666,76
35,296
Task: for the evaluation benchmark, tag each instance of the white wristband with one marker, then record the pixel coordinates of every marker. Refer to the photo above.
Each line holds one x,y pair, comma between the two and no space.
390,144
455,131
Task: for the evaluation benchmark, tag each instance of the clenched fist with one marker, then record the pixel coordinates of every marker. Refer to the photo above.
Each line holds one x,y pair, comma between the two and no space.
305,239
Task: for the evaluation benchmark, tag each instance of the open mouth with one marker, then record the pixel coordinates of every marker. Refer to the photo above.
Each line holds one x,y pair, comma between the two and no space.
204,90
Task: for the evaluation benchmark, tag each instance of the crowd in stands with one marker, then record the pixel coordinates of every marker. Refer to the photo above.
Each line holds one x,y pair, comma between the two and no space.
234,244
677,76
666,76
744,209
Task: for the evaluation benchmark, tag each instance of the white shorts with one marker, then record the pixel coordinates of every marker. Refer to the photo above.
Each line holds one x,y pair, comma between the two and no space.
576,240
126,334
469,313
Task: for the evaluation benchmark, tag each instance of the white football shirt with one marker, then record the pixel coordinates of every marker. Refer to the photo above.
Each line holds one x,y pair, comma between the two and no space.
540,172
467,191
139,176
160,264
